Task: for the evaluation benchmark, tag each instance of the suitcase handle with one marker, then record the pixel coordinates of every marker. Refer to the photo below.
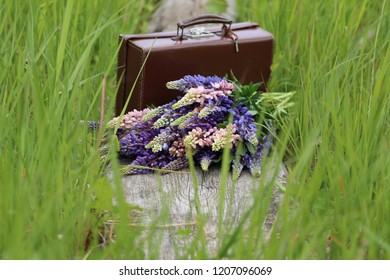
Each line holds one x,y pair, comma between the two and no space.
202,19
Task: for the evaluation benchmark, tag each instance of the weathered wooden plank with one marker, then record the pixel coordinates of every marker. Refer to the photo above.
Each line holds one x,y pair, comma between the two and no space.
173,196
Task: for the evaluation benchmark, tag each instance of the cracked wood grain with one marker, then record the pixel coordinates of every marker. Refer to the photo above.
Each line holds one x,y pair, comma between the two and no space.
169,200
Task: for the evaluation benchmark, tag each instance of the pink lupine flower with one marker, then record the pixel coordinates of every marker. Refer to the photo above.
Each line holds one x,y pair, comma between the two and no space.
220,137
193,95
225,86
177,148
130,119
198,138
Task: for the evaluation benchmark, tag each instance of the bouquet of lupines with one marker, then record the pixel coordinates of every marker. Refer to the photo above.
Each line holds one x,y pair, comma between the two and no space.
213,113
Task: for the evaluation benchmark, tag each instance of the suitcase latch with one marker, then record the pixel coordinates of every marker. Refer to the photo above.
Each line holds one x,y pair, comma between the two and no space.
199,32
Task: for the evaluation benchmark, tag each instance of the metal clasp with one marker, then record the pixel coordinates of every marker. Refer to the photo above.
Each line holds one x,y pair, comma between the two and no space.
199,32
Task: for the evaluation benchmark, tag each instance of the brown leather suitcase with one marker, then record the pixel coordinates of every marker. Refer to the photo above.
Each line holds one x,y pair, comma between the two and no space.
243,49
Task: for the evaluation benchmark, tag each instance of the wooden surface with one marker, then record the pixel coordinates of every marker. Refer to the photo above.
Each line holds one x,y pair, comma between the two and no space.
168,203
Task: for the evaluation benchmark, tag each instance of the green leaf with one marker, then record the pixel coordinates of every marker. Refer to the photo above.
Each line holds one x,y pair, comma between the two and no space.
235,80
222,125
250,147
241,151
63,39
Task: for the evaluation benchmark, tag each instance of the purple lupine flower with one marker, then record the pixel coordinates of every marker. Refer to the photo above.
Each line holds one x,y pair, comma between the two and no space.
132,169
159,142
219,112
92,125
169,116
255,167
194,122
195,81
222,105
205,157
244,121
176,164
268,142
153,160
163,139
253,161
237,167
133,143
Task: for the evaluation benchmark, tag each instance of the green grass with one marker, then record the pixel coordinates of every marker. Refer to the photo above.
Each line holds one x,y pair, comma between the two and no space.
335,55
53,57
335,142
